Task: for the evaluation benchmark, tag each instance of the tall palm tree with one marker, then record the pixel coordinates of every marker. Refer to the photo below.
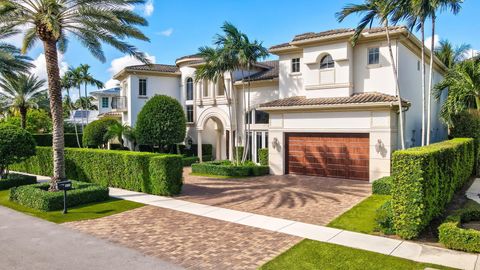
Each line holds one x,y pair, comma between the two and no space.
87,79
21,93
67,83
116,131
11,60
449,54
53,22
382,11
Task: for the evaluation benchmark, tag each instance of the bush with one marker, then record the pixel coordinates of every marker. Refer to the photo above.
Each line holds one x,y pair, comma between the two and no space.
16,180
94,133
46,139
467,125
38,197
382,186
16,145
453,236
122,169
38,121
263,156
207,150
238,152
384,218
425,180
161,122
226,168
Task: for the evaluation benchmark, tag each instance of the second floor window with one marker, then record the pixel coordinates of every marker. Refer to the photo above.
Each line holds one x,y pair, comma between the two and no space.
189,113
373,56
104,102
221,86
142,87
327,62
261,117
189,89
295,65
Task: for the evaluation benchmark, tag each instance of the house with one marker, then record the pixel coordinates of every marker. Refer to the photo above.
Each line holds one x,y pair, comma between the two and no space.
323,108
107,101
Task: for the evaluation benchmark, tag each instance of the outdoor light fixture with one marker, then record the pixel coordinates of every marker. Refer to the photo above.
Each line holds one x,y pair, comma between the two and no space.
275,143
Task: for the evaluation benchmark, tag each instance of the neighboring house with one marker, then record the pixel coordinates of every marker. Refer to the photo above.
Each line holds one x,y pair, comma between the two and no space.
107,102
82,117
324,108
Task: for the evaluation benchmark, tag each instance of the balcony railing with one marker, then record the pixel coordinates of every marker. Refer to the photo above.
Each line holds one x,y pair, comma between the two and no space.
119,103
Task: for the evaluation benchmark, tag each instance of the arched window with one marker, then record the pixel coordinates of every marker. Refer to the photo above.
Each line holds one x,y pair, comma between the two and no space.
327,62
189,89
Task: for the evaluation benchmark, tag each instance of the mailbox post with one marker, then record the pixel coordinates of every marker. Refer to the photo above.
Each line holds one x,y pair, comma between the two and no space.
64,185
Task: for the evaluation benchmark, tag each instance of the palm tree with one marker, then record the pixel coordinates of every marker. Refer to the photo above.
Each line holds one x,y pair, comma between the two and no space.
463,83
54,21
21,93
381,10
11,60
67,83
451,55
118,131
85,103
87,79
130,135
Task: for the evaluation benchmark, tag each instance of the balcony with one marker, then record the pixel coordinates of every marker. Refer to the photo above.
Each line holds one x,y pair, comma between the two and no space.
119,104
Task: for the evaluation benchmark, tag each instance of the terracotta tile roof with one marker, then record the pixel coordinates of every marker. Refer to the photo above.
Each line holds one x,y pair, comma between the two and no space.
360,98
270,72
154,67
188,56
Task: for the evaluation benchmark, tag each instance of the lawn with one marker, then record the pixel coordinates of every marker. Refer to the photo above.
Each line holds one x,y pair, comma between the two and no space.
88,211
361,218
310,254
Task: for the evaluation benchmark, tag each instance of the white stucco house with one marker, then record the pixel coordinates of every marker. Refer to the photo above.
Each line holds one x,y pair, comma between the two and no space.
323,108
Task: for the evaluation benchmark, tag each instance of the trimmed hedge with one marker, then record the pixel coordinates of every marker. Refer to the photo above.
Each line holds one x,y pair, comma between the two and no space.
226,168
123,169
425,180
384,218
16,180
263,156
188,161
38,197
383,186
70,139
453,236
466,124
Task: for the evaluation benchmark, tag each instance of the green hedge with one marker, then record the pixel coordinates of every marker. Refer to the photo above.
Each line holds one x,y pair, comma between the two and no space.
382,186
453,236
46,139
384,218
226,168
263,156
466,124
425,180
122,169
38,197
188,161
16,180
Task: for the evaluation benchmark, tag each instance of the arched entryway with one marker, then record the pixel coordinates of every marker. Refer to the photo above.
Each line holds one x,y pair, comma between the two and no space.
213,123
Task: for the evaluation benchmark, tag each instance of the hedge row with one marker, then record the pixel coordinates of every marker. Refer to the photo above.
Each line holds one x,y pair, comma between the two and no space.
145,172
46,139
453,236
225,168
382,186
16,180
38,197
263,156
188,161
425,180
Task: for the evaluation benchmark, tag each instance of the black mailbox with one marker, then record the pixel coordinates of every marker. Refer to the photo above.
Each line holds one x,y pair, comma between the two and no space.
64,185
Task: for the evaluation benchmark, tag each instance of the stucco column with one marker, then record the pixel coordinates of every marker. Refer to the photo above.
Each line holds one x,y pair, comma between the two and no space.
199,145
218,145
230,145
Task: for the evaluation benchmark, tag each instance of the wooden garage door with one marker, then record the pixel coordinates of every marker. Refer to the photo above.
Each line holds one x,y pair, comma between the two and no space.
328,154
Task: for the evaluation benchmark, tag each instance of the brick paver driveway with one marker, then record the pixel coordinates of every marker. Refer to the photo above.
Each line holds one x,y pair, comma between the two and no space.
191,241
308,199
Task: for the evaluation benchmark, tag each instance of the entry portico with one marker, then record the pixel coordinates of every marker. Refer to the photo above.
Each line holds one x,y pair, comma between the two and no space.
219,120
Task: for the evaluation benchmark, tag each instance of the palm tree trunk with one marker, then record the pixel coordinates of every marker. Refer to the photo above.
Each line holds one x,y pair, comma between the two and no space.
86,102
395,75
69,101
23,117
56,109
430,85
423,82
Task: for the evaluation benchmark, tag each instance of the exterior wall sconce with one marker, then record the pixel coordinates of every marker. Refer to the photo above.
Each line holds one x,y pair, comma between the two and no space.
380,148
276,144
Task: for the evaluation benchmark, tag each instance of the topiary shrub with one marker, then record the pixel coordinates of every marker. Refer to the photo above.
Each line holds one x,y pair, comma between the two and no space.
467,125
94,133
384,218
227,168
70,139
16,180
16,145
453,236
382,186
161,122
263,156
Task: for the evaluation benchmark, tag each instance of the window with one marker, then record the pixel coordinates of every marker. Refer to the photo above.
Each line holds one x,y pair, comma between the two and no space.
418,65
221,86
327,62
104,102
261,117
205,88
142,87
373,56
190,114
295,65
189,89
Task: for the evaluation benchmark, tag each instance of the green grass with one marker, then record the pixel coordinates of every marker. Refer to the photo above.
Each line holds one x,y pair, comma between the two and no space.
88,211
361,218
310,254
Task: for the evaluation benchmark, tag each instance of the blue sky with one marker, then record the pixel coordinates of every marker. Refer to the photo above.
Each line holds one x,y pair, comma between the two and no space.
180,27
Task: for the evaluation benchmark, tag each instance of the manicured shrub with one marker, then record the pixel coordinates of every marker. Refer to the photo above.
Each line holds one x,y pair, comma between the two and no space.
226,168
122,169
161,122
16,180
467,125
164,172
38,197
453,236
425,180
94,133
384,218
263,156
382,186
70,139
16,145
38,121
238,152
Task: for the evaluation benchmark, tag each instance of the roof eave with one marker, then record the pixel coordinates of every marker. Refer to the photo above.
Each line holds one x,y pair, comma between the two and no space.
391,104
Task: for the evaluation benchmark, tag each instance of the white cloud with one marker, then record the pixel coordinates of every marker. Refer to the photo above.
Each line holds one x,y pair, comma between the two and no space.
112,83
148,8
471,53
428,41
40,68
167,32
120,63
